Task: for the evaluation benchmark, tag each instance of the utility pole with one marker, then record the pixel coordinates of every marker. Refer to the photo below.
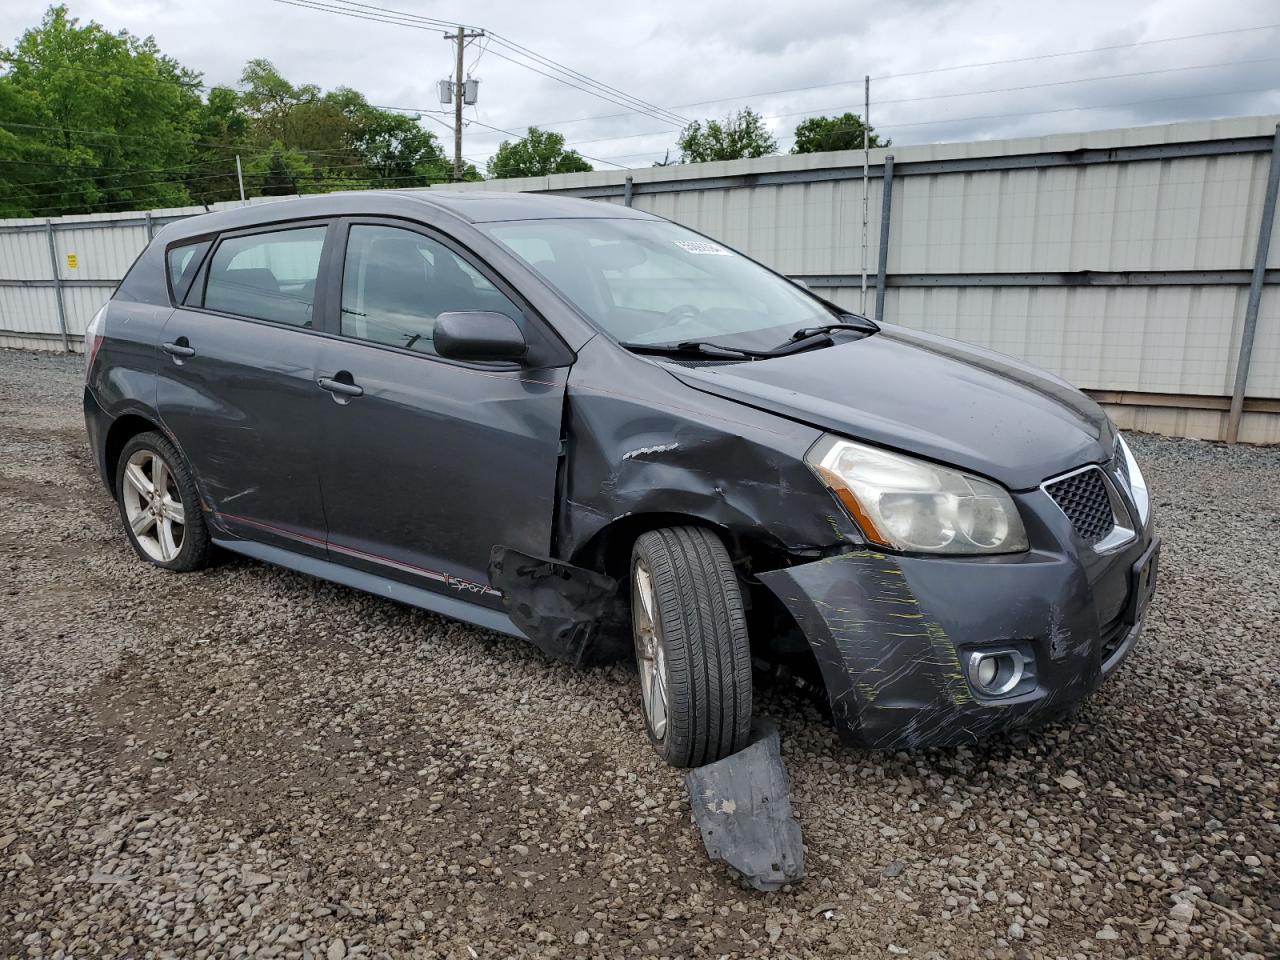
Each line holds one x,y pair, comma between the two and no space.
461,38
240,180
866,185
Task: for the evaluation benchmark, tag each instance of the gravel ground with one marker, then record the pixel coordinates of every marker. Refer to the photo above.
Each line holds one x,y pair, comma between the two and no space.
247,762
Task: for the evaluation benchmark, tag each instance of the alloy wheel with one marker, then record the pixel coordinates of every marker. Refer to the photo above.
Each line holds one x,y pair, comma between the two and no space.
650,650
153,506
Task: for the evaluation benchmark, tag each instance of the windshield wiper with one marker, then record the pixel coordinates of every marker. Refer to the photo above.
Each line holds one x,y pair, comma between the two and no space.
702,348
861,324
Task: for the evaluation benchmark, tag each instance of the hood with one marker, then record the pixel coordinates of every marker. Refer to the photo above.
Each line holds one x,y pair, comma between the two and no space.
930,396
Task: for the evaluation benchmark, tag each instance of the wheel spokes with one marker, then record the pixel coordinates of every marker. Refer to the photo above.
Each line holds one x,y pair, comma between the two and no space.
172,510
168,545
141,522
134,476
159,477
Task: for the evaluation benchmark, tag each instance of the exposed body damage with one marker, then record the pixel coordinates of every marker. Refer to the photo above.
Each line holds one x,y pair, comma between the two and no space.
566,611
655,448
742,805
631,457
890,632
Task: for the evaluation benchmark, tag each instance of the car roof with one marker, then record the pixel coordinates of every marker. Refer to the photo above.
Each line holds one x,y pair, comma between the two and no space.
471,206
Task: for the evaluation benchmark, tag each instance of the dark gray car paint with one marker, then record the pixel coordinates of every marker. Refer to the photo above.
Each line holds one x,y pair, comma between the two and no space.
609,436
933,397
245,407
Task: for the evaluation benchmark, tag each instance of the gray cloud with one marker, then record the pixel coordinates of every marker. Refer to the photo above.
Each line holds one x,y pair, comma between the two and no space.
673,54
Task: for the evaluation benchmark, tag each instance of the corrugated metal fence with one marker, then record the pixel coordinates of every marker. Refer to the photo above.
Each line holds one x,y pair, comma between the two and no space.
1122,260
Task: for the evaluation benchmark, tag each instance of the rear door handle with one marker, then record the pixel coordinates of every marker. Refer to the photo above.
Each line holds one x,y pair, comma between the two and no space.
180,348
340,387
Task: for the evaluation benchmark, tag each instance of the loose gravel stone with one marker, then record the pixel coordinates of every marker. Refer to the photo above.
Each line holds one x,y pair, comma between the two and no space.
246,762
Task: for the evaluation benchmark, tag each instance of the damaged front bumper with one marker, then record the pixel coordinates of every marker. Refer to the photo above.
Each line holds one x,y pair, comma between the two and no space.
892,634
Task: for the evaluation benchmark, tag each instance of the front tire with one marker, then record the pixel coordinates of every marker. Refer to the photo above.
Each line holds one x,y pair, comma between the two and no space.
159,505
691,646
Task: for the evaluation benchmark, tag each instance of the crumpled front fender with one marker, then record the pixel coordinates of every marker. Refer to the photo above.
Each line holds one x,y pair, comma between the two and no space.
889,633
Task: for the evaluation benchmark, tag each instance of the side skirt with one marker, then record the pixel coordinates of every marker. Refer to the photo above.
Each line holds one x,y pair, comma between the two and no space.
495,620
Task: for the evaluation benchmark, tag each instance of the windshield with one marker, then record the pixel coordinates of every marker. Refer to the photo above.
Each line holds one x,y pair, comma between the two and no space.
649,282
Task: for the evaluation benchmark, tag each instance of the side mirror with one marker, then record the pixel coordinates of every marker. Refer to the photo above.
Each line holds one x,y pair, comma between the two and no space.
798,282
476,335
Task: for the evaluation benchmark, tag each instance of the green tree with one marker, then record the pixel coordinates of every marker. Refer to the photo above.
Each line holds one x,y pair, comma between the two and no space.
222,128
834,133
281,172
106,119
538,154
737,137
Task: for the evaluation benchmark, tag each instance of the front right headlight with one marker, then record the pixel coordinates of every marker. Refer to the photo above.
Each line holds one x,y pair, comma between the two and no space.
908,504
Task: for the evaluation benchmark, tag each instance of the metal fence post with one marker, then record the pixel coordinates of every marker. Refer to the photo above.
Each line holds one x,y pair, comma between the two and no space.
1255,293
150,227
886,212
57,285
626,191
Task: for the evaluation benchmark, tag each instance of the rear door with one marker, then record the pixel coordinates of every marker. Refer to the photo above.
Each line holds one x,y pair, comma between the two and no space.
434,461
237,380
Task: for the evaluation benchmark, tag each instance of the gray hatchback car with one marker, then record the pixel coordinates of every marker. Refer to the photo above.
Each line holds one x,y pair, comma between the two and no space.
583,425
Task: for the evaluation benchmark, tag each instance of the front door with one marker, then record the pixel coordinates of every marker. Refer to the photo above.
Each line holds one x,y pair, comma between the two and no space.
237,385
427,463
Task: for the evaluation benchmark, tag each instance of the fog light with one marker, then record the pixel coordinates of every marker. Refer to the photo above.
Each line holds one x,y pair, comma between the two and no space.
994,673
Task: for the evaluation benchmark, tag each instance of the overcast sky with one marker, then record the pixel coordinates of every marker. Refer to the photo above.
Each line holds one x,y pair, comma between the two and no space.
705,59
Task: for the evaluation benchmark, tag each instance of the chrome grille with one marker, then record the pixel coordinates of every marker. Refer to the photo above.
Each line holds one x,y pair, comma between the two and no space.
1083,497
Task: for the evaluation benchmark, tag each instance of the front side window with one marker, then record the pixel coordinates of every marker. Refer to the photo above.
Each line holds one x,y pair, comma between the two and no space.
396,282
651,282
267,276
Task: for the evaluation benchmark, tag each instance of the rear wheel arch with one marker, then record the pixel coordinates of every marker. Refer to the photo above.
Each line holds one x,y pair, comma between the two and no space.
122,430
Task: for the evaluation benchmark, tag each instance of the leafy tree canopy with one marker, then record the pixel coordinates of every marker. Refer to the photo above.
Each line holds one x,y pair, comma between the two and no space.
92,120
538,154
735,138
844,132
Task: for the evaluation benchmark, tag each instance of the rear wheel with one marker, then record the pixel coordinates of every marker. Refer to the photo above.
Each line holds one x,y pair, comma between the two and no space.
691,646
159,505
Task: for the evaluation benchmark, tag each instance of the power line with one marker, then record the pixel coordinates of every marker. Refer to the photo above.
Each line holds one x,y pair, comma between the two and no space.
511,44
414,18
968,93
1098,106
1026,113
598,89
135,136
1074,53
341,183
919,73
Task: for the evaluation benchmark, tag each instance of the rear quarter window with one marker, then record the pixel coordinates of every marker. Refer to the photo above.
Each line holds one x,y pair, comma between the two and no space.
182,264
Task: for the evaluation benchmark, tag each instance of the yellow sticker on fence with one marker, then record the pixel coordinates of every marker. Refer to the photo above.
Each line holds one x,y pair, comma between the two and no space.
72,261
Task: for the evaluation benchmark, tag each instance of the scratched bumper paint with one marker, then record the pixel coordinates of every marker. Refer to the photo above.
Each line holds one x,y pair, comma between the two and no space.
890,632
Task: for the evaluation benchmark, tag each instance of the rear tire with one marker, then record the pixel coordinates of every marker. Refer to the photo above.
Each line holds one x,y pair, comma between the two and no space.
159,505
691,646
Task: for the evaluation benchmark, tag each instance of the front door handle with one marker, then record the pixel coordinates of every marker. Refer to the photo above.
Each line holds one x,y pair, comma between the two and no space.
342,388
179,348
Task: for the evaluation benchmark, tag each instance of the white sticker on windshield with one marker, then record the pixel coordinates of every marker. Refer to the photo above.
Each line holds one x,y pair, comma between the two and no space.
702,246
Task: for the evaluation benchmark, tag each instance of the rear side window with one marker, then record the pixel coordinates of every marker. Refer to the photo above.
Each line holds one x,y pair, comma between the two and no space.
267,276
396,282
183,263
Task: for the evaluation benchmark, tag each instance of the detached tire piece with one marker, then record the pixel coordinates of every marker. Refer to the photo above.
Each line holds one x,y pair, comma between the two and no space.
159,505
691,646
